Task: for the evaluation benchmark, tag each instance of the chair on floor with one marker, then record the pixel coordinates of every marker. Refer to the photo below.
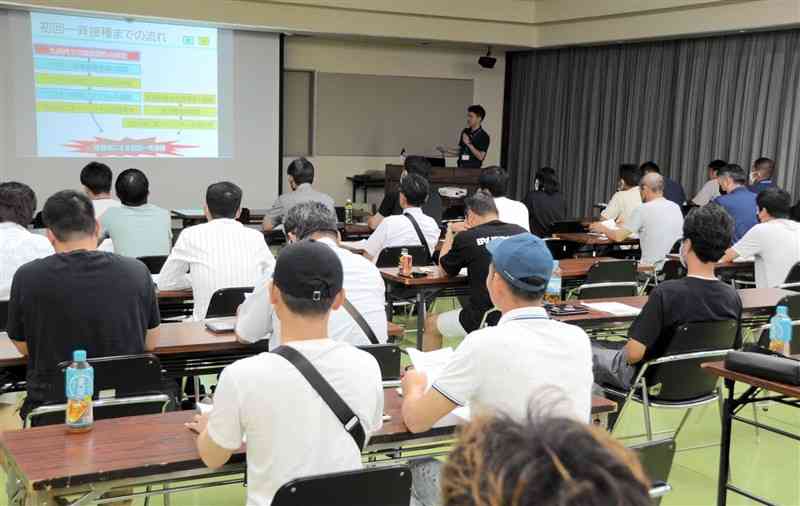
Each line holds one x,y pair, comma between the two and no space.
613,278
673,269
792,281
379,486
226,301
657,458
560,249
390,257
154,263
128,385
3,315
675,380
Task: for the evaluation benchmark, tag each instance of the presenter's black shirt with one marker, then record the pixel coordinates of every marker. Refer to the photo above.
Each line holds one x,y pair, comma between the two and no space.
480,139
469,250
84,300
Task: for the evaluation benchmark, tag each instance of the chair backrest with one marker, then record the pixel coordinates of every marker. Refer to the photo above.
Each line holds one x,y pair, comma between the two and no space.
340,214
607,290
3,315
673,269
226,301
560,249
612,271
379,486
676,248
154,263
567,227
656,458
682,379
390,257
388,357
794,274
127,376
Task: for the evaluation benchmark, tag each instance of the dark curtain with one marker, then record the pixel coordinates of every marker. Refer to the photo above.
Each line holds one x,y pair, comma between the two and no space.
585,110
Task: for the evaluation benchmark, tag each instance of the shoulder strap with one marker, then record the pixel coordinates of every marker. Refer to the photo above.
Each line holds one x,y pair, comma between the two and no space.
360,321
421,237
350,422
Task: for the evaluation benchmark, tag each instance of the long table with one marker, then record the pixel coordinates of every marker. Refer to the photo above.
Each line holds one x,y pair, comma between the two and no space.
158,449
788,395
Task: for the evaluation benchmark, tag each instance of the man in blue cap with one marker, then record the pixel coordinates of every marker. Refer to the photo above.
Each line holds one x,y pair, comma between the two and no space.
526,357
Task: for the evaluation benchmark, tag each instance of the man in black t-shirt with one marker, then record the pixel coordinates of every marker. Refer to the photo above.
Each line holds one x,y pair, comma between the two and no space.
473,144
390,205
465,246
79,298
699,297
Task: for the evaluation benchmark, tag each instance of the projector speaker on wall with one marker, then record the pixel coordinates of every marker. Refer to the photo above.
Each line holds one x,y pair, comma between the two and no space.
487,61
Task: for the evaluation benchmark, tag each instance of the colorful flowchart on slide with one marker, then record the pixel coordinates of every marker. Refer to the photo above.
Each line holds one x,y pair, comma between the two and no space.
114,88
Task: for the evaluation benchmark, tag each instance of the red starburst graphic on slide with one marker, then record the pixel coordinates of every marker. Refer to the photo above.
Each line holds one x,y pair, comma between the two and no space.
102,147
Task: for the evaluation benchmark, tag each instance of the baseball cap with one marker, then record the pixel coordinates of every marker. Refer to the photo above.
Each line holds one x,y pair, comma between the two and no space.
308,270
523,260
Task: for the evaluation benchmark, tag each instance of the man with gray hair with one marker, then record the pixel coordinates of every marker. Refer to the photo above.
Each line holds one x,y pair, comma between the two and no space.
738,200
658,222
363,285
465,247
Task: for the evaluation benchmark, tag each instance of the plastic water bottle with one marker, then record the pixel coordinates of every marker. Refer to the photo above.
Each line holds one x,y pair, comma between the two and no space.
553,293
79,390
348,212
780,331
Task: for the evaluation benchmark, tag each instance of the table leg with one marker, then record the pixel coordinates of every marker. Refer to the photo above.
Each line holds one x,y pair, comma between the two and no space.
420,318
725,445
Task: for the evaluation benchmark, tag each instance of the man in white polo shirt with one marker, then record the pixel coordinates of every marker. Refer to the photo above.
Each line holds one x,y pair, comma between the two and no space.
775,242
395,231
291,431
658,222
495,181
503,368
363,285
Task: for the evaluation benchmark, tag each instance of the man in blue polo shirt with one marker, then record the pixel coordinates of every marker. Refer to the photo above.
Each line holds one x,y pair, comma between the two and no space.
761,175
738,200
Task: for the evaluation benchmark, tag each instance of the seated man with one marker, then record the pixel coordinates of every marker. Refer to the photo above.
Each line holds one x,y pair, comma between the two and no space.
658,223
541,461
96,180
673,190
775,242
137,228
699,297
78,298
291,432
738,200
710,189
363,285
761,175
390,205
495,181
621,206
465,246
301,177
221,253
399,230
18,246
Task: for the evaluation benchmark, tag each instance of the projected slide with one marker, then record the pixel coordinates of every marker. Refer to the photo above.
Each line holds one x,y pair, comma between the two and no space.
124,89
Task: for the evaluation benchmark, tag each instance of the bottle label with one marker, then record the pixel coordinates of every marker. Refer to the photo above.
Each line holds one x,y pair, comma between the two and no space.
79,390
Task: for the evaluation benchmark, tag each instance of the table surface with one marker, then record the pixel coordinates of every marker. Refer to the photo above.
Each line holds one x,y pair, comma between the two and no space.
435,278
719,369
149,445
593,239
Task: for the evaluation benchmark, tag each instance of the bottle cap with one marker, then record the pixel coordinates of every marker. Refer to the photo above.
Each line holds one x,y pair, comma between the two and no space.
79,355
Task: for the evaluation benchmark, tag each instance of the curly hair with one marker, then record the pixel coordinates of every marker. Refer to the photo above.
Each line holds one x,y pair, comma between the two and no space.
710,228
17,203
542,461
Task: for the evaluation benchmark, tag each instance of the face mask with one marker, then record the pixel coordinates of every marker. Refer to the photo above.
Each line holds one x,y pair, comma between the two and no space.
682,254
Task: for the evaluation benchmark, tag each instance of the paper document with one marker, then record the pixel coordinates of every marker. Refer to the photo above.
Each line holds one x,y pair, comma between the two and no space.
432,363
614,308
610,224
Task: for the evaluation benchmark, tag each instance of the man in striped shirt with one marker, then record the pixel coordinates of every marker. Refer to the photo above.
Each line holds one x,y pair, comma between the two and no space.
221,253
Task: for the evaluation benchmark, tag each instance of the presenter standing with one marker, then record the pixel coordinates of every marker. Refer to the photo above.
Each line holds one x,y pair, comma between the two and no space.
474,142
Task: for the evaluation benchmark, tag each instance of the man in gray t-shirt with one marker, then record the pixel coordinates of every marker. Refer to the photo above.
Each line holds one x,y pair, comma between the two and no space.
658,222
301,176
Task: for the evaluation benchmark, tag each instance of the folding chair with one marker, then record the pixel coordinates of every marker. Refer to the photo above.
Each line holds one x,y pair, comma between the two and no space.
675,380
380,486
560,249
225,301
657,458
127,385
792,281
614,278
154,263
673,269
